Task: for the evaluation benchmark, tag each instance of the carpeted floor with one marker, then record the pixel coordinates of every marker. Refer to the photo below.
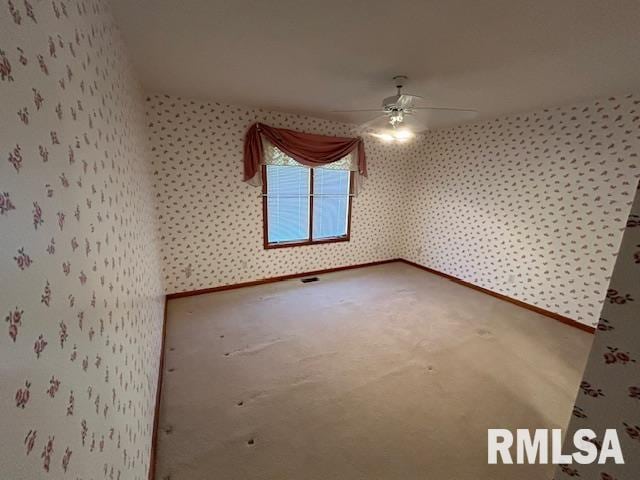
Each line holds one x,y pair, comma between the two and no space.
382,373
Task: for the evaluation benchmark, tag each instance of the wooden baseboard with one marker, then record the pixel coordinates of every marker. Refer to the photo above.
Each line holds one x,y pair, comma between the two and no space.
533,308
281,278
156,414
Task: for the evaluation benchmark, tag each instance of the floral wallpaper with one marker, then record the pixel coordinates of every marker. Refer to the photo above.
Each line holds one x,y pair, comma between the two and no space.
531,206
514,204
211,221
609,395
81,294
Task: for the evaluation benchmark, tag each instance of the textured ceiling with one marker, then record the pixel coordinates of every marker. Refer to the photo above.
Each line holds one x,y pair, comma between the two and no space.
311,57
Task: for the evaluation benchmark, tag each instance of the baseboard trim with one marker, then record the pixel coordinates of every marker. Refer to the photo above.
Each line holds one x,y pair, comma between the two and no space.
156,414
556,316
281,278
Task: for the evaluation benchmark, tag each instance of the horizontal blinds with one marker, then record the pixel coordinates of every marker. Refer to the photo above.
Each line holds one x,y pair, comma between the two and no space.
330,203
287,203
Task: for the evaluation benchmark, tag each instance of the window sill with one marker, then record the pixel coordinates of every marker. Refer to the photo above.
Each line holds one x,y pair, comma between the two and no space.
269,246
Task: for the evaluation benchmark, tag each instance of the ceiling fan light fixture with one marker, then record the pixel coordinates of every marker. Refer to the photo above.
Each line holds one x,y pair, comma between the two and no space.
385,137
396,118
397,135
403,134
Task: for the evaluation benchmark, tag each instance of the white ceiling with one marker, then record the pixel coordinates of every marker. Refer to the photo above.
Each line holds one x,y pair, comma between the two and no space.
311,56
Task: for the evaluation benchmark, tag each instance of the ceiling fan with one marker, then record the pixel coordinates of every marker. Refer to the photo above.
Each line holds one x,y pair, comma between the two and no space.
398,121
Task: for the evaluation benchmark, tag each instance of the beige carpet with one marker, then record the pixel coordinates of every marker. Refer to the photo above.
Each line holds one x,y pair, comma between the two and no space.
383,372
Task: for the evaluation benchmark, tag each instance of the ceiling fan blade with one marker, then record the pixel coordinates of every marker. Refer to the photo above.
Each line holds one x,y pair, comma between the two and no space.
380,121
429,117
359,110
467,110
406,100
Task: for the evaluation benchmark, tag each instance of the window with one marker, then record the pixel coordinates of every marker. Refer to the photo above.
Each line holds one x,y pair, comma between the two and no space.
303,206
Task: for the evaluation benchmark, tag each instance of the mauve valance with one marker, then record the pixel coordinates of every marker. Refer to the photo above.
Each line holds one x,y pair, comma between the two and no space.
306,148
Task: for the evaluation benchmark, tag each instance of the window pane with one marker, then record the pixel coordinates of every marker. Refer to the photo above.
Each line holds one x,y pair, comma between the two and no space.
287,203
330,203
